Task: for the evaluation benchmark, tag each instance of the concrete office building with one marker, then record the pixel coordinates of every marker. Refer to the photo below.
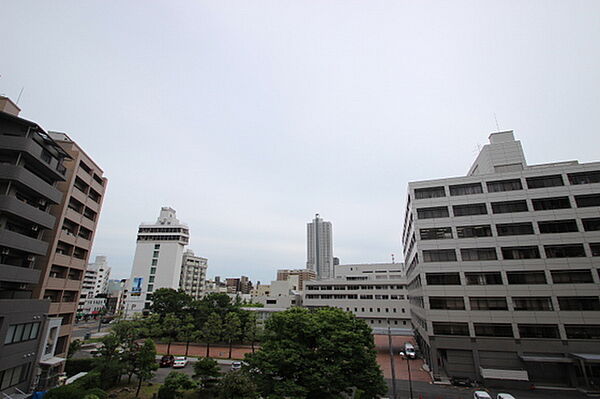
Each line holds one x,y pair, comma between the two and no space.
31,165
374,292
157,260
503,269
193,274
319,243
303,275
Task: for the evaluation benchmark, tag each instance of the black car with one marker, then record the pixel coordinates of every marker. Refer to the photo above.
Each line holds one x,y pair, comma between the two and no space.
167,361
461,381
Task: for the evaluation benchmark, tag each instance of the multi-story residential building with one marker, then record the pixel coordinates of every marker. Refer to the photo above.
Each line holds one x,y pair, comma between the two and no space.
260,290
71,242
193,274
31,165
94,287
157,260
282,294
374,292
319,242
241,285
303,275
114,299
503,268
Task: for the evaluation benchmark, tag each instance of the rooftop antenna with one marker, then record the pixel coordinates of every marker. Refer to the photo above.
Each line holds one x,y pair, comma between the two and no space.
20,94
496,119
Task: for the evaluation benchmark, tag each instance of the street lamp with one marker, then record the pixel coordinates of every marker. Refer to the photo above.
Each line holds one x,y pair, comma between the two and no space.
409,377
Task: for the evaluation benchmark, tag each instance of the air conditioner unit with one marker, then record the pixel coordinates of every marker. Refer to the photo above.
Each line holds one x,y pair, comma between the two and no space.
5,251
31,258
35,227
42,202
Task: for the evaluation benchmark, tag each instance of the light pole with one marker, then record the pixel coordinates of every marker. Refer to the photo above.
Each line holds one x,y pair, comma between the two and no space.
409,376
392,361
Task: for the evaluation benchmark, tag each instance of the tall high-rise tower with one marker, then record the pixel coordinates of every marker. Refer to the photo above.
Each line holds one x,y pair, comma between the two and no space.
157,261
319,243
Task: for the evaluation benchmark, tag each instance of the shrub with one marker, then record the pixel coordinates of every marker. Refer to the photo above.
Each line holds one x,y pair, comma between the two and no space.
74,366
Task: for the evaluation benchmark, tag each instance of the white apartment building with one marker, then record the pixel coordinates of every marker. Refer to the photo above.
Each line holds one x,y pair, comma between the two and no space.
95,282
193,274
282,294
374,292
503,269
319,243
157,260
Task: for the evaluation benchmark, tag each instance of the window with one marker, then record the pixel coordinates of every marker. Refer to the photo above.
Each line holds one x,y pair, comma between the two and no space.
483,278
156,246
443,278
436,233
493,330
13,376
544,204
579,303
153,270
509,206
584,177
488,303
433,212
588,331
446,328
545,181
439,255
529,277
584,201
430,192
514,229
469,209
558,226
528,252
564,251
474,254
577,276
21,332
447,302
595,248
483,230
466,189
504,185
591,224
154,262
538,331
532,303
151,279
155,254
150,287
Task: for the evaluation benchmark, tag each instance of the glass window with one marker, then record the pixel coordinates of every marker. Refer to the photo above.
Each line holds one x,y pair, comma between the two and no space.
514,229
525,252
436,233
493,330
579,303
154,262
433,212
21,332
569,276
469,209
591,224
443,278
155,254
466,189
156,246
564,251
587,331
430,192
447,328
538,331
544,204
150,287
488,303
439,255
476,254
558,226
483,230
447,302
151,279
584,201
153,270
528,277
532,303
584,177
10,334
483,278
595,248
504,185
545,181
509,206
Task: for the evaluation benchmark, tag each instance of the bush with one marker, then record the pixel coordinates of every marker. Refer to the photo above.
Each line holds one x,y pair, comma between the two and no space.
73,391
74,366
97,392
92,380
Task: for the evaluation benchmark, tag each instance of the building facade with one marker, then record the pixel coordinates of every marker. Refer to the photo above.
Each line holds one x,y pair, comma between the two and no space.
503,269
303,275
319,241
193,274
95,282
157,261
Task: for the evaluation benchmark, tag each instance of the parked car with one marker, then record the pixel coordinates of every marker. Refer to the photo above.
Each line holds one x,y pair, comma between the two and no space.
409,350
505,396
167,361
236,366
481,395
461,381
180,362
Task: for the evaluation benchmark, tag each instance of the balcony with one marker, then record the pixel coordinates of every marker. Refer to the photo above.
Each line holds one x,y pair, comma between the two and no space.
22,175
19,274
23,243
35,152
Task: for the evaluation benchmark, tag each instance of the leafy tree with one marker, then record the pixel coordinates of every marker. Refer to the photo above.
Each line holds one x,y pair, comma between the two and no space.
169,301
109,363
237,385
207,371
219,303
174,386
170,326
211,331
316,354
231,329
251,329
186,331
145,363
74,346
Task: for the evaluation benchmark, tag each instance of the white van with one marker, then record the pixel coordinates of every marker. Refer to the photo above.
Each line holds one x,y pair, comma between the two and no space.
505,396
481,395
409,350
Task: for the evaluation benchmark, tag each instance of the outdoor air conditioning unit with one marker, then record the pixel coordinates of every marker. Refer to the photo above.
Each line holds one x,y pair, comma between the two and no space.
30,258
42,202
35,227
5,251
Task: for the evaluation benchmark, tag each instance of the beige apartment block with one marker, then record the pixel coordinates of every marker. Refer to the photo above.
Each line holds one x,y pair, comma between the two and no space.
303,275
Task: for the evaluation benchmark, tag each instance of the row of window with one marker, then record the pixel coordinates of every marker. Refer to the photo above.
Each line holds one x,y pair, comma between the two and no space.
509,229
354,296
14,376
355,287
510,253
530,303
514,206
508,185
21,332
573,331
565,276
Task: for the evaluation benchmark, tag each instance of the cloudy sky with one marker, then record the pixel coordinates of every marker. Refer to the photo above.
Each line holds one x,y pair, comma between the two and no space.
248,117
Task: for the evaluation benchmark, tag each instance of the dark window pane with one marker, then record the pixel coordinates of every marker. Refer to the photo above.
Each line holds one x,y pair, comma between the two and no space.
588,331
488,303
545,181
483,278
504,185
579,303
436,233
577,276
439,255
544,204
591,224
483,230
430,192
558,226
584,201
443,278
595,248
509,206
538,331
564,251
446,303
475,254
433,212
444,328
466,189
529,277
528,252
493,330
584,177
532,303
469,209
514,229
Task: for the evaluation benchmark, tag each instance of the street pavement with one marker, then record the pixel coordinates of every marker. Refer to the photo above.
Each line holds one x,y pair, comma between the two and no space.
82,328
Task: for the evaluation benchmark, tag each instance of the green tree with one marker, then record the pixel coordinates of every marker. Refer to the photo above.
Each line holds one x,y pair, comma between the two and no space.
232,329
186,331
170,327
211,331
109,362
74,346
169,301
145,363
237,385
316,354
251,331
174,386
206,370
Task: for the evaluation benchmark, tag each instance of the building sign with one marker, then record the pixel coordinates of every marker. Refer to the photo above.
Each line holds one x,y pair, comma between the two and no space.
136,287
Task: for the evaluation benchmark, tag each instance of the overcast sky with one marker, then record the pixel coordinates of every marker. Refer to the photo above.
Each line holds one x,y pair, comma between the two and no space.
248,117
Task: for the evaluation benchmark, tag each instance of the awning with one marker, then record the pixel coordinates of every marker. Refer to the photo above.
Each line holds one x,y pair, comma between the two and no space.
53,361
588,357
546,359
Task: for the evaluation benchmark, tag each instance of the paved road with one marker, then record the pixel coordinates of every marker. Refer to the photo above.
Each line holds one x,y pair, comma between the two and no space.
161,373
82,328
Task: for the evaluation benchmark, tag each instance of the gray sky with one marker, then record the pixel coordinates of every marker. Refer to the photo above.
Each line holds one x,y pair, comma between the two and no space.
248,117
